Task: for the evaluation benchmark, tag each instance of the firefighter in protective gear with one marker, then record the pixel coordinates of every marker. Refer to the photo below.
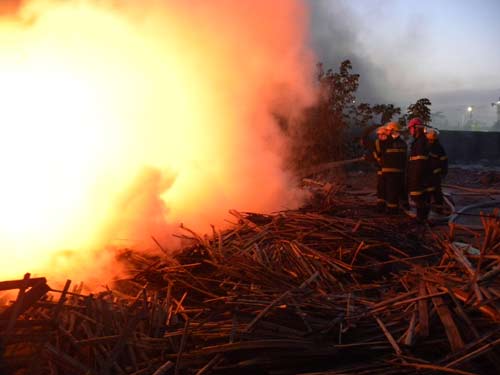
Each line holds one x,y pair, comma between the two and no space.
419,169
439,167
378,150
394,167
396,133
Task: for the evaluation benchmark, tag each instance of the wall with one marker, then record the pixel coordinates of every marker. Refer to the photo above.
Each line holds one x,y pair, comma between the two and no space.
469,147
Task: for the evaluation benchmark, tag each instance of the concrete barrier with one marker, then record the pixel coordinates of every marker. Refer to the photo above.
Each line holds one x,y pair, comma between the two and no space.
471,147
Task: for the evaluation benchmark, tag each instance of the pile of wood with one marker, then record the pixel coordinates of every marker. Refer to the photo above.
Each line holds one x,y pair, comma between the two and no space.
341,291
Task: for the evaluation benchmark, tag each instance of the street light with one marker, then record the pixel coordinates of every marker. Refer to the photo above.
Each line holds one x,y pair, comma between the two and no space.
497,104
469,109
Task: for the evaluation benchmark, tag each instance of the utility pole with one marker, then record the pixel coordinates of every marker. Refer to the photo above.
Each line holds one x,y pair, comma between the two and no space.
497,104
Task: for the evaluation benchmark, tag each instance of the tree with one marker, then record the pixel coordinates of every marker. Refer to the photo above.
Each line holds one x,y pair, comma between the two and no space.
386,112
322,135
420,109
327,131
361,115
338,89
403,120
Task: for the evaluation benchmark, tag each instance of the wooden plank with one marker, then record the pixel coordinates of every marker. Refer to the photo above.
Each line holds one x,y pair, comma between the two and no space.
389,336
446,318
17,284
423,312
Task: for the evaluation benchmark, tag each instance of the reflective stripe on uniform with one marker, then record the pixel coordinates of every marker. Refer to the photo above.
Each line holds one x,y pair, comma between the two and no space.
380,200
416,193
437,170
419,157
393,150
433,155
429,189
392,170
379,173
377,146
443,158
391,205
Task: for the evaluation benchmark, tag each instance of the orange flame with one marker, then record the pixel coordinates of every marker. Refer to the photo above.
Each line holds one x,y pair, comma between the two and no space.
119,123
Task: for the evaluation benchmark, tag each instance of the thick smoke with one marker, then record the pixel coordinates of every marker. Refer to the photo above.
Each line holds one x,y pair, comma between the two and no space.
336,36
402,55
153,113
389,64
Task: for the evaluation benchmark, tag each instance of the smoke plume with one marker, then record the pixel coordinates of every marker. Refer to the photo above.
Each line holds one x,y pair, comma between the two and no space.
123,119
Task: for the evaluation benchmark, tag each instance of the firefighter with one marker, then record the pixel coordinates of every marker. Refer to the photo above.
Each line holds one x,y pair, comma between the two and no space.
367,143
394,167
439,167
378,150
419,169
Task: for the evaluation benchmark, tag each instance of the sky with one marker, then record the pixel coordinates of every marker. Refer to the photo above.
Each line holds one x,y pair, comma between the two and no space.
446,50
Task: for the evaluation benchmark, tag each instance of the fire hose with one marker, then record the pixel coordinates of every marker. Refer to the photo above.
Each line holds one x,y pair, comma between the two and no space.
326,166
463,212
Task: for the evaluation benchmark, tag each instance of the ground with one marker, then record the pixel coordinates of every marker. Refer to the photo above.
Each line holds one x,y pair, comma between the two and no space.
332,288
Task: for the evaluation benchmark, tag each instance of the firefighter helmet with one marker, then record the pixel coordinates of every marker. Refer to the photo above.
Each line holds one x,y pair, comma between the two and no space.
393,127
415,122
431,134
381,130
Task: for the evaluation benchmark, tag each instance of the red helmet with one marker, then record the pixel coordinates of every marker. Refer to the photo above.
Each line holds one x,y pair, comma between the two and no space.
415,122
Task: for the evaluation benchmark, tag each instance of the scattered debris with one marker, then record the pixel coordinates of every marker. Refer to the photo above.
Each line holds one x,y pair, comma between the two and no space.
315,291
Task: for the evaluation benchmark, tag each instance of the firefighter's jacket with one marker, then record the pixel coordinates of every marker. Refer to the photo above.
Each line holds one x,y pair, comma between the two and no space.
438,159
379,147
394,156
419,171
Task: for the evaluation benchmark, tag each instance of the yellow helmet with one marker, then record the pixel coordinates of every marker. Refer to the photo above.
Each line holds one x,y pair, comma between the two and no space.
393,127
431,134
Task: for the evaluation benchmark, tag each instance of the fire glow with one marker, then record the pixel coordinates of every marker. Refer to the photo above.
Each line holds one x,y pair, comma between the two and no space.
119,123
